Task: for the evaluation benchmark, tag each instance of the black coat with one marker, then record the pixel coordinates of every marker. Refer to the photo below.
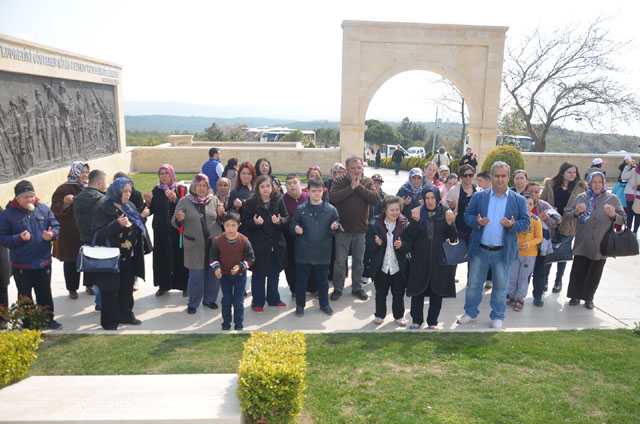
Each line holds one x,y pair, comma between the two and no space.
376,227
425,269
169,271
268,236
105,222
5,263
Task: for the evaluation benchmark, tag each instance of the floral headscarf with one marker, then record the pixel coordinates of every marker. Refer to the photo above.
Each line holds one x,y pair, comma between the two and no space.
335,168
415,191
75,171
172,185
192,190
114,194
313,168
593,198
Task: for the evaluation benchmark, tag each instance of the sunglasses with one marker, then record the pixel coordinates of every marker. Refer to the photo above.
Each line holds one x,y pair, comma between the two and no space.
467,175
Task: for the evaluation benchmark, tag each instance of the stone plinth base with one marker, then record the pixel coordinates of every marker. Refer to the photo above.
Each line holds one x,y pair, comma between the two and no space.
192,398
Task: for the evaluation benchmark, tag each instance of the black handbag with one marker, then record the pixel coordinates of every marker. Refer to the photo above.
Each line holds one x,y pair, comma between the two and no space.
454,253
562,250
623,243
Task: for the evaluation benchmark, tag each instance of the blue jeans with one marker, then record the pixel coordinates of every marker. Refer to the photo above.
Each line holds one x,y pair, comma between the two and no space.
479,264
559,273
233,294
202,283
398,167
257,285
302,277
96,291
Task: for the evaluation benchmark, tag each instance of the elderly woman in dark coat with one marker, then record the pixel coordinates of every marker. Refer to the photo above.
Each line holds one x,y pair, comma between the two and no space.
431,224
117,222
5,276
264,216
169,272
197,213
66,247
595,212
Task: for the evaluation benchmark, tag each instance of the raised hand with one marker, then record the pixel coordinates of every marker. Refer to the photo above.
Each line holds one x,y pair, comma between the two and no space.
483,221
123,220
450,216
415,214
610,211
580,208
237,203
544,216
68,200
276,219
220,210
148,197
25,235
145,212
334,225
407,200
507,223
298,229
235,270
378,240
171,195
218,273
47,235
398,243
258,220
180,216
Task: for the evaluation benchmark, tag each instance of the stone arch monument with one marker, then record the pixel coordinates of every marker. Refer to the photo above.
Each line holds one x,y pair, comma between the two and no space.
469,56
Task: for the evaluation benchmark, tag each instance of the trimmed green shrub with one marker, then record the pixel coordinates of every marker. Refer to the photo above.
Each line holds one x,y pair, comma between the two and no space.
271,376
454,166
508,154
17,353
24,314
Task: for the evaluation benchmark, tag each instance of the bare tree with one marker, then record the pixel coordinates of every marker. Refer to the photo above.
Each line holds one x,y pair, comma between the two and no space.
452,100
568,74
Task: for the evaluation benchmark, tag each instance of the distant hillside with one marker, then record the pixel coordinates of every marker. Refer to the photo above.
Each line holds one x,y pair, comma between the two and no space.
190,124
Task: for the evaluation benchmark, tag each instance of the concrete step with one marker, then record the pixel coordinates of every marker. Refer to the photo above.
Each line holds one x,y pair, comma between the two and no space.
180,398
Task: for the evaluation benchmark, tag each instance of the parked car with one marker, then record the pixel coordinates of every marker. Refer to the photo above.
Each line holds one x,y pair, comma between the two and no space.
416,152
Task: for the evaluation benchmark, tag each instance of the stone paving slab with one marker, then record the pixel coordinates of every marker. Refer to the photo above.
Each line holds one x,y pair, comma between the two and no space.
174,399
616,305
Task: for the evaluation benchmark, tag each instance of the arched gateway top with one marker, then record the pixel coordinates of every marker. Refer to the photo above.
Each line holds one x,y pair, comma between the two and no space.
469,56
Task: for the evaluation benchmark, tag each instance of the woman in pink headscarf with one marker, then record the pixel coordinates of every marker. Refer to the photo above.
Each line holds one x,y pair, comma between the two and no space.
169,272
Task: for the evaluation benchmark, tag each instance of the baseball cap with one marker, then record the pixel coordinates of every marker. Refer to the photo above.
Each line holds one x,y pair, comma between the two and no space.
597,161
377,177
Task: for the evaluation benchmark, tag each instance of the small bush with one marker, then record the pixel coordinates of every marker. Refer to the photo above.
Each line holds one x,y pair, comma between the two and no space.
271,376
24,314
508,154
17,353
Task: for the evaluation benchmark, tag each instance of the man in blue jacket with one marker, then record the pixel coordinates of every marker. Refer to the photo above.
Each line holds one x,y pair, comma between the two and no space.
213,168
497,216
27,228
313,226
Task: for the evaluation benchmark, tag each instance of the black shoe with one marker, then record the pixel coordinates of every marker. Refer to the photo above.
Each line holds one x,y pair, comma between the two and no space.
336,295
226,327
360,294
557,287
54,325
135,321
538,302
574,302
588,304
237,328
545,288
327,310
299,311
191,310
212,305
185,293
161,292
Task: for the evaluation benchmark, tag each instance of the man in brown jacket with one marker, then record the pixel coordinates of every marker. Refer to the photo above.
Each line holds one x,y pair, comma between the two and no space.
351,194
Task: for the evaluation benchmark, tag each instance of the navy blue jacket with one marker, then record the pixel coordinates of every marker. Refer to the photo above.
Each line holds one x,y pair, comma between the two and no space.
376,227
35,253
313,246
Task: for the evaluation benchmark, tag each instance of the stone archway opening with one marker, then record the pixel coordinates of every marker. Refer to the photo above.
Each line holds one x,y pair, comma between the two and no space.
469,56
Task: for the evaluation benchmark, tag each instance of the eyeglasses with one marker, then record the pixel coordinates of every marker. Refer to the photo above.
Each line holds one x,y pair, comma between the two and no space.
467,175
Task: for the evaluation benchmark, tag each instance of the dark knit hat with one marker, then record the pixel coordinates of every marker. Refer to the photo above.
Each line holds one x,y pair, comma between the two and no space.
23,187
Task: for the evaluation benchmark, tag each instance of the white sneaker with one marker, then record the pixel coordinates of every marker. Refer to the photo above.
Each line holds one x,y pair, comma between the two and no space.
496,323
466,319
401,322
378,321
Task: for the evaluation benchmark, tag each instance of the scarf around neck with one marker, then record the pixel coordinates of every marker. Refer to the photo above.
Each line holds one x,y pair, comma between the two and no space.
172,184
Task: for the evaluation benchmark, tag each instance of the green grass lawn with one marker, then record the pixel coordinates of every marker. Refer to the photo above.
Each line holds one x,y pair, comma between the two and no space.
544,377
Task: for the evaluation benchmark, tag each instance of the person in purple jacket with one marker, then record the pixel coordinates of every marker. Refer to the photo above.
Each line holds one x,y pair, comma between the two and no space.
27,228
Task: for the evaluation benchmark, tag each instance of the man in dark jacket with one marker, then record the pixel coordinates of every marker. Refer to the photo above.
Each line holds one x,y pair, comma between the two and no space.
313,226
5,276
27,229
84,208
469,159
351,194
397,157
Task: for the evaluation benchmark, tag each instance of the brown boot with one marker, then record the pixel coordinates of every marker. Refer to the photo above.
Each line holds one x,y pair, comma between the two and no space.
73,295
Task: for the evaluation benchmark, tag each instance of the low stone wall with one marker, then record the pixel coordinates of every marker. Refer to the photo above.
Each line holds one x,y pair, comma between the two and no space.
190,159
47,182
542,165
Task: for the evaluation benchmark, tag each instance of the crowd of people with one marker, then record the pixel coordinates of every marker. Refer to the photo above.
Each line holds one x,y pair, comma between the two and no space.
238,218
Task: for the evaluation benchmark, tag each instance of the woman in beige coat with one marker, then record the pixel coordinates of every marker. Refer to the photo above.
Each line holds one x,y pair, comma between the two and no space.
560,191
594,213
197,213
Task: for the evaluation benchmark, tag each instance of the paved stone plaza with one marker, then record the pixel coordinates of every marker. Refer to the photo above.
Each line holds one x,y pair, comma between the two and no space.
616,305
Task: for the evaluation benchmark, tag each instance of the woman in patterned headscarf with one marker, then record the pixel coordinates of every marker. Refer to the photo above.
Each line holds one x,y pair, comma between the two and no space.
169,272
595,211
66,247
117,223
197,215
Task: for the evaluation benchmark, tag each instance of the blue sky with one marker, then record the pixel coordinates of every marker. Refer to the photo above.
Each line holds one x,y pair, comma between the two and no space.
281,55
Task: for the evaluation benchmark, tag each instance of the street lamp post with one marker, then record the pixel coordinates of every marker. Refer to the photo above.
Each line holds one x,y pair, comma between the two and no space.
435,132
575,144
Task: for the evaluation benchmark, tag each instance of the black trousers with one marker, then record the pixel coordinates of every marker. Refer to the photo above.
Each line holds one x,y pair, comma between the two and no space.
290,270
71,276
4,298
37,280
417,307
382,284
585,278
117,301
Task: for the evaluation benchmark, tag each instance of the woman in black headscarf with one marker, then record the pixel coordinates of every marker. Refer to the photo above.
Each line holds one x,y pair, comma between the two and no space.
431,224
117,222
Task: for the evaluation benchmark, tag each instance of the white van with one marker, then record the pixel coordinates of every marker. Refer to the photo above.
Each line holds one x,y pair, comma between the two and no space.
416,152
